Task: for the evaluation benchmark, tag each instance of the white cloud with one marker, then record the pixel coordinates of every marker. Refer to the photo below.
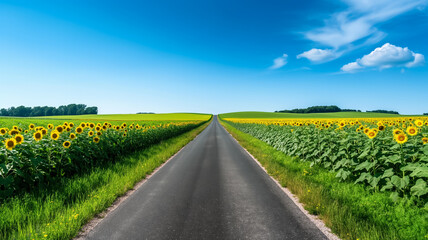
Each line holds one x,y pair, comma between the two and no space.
319,55
386,56
351,67
419,61
279,62
356,25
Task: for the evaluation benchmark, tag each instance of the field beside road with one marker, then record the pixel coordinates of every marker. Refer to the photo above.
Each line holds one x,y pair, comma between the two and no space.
366,177
55,175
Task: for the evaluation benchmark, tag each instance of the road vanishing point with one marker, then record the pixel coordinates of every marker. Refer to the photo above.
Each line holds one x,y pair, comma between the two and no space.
212,189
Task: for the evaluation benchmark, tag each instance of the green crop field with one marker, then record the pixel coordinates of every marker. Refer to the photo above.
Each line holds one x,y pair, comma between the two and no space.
308,115
39,156
137,117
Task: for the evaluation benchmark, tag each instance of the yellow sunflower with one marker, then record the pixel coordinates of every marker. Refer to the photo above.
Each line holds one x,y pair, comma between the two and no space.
425,140
71,124
59,129
371,134
401,138
419,123
96,139
91,133
79,130
13,132
397,131
66,144
3,131
19,138
72,136
38,135
412,131
55,135
10,143
50,126
31,126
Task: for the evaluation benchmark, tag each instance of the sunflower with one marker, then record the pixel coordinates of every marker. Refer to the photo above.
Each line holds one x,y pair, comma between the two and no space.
31,126
10,143
381,127
38,135
425,140
104,127
72,136
66,144
19,138
79,130
397,131
68,129
44,131
59,129
3,131
91,133
401,138
71,124
419,123
371,134
50,126
82,125
412,131
55,135
366,130
13,132
97,128
99,133
96,139
91,125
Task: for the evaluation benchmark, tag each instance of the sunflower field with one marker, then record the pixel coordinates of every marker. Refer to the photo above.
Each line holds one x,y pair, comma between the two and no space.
386,154
32,156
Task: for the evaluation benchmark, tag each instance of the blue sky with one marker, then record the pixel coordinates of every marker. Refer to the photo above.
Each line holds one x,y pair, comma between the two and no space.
215,56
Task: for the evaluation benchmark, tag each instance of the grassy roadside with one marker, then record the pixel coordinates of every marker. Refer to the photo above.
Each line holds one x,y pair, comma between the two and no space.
351,211
60,213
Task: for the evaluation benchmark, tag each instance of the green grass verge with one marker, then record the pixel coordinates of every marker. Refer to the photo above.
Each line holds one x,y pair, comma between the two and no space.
351,211
136,117
60,212
308,115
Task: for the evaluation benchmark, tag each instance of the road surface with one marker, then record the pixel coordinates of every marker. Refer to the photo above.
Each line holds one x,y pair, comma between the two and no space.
212,189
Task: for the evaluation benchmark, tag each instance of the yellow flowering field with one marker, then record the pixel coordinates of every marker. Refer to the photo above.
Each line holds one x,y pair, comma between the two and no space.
33,154
386,154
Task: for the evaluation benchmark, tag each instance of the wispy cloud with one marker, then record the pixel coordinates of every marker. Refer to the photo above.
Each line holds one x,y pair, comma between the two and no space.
319,55
386,56
279,62
356,25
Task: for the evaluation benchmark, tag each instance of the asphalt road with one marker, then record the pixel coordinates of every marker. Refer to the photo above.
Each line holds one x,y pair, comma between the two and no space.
212,189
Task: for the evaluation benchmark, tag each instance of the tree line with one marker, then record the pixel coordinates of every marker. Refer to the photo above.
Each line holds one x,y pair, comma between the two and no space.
70,109
318,109
327,109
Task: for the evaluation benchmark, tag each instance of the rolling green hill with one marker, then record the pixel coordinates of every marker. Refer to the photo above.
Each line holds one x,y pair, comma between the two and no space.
307,115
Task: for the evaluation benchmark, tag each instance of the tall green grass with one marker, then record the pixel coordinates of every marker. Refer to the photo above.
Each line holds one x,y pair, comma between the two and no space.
61,209
350,210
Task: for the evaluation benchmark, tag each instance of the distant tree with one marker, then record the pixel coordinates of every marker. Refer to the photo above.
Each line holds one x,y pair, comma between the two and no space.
318,109
384,111
425,113
71,109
